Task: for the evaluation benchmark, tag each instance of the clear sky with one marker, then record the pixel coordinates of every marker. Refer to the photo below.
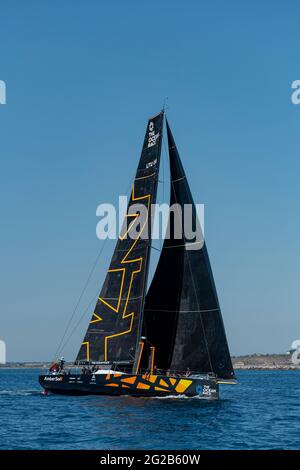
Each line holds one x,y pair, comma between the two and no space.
82,78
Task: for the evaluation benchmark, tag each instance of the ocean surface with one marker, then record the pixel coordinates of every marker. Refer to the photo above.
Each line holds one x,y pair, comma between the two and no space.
261,412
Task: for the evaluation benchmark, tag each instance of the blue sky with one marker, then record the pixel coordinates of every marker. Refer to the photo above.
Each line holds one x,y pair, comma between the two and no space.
82,78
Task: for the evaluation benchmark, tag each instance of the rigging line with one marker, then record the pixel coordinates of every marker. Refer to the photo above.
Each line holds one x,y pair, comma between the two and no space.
195,293
59,348
86,310
80,297
165,104
154,248
150,278
163,165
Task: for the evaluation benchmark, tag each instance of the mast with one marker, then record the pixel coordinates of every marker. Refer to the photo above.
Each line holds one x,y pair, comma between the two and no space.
113,334
182,318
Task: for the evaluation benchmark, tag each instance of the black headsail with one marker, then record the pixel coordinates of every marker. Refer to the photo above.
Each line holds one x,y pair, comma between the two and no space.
182,317
115,326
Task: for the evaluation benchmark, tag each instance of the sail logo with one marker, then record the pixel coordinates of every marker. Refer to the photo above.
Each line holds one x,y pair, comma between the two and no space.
150,164
152,137
2,92
295,96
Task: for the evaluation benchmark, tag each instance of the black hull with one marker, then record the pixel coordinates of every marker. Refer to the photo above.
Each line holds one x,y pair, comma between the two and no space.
130,385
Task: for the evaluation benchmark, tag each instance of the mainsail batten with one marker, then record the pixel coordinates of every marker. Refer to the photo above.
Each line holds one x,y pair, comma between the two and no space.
182,314
115,326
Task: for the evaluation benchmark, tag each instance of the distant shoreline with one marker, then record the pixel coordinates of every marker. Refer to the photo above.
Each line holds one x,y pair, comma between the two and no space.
264,362
247,362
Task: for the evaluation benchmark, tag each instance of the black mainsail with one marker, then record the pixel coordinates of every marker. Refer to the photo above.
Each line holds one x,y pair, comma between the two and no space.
182,317
115,327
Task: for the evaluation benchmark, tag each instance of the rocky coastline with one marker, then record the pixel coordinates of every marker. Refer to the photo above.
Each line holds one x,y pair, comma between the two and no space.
247,362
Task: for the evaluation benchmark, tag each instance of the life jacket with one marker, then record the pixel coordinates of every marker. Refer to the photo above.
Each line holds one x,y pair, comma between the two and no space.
53,367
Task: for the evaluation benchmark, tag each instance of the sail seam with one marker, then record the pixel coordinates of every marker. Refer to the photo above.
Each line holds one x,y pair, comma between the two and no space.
123,298
184,244
144,177
184,311
179,179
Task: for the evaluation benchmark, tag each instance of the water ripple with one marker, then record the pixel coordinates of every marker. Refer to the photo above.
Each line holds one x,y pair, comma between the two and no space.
262,412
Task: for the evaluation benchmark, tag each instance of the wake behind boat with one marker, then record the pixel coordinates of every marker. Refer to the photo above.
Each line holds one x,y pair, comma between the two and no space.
167,341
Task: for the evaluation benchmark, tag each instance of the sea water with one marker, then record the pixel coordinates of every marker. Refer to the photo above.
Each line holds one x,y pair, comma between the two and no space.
261,412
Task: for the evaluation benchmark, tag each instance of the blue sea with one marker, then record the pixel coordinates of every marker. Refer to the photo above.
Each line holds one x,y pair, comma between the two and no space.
261,412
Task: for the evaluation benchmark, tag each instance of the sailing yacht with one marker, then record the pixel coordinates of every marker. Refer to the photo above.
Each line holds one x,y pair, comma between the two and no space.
170,340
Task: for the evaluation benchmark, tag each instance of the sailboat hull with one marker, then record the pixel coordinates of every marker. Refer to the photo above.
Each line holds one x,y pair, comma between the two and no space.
132,385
